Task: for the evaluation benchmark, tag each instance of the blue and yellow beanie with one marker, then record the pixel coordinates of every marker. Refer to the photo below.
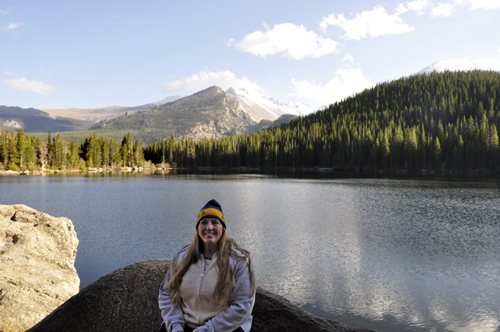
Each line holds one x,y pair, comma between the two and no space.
211,210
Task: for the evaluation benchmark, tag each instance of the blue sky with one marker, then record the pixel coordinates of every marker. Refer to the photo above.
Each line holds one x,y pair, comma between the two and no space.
89,54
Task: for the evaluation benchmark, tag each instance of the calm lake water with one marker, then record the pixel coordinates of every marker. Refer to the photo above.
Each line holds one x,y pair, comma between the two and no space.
386,254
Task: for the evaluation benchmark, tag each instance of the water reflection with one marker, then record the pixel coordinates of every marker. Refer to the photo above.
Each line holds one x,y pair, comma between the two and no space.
404,252
392,255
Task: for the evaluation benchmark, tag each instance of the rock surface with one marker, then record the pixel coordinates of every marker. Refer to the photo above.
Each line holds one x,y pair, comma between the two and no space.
127,300
10,172
37,273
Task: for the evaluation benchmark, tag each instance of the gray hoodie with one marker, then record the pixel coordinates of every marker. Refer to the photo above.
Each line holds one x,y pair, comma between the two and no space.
196,290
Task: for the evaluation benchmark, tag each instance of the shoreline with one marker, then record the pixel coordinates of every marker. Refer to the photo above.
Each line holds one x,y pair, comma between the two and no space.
249,170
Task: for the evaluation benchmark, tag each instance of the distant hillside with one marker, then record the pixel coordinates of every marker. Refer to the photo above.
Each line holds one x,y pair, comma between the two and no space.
33,120
102,113
87,114
284,119
208,113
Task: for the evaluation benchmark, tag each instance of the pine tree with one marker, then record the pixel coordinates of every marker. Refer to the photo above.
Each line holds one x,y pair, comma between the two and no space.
494,147
20,148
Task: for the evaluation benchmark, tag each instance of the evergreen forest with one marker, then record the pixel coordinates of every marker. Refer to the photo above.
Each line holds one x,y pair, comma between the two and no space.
19,152
429,122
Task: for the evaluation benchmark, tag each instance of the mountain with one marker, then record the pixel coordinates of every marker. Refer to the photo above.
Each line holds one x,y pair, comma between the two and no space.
263,108
208,113
166,100
152,105
34,120
452,65
102,113
285,118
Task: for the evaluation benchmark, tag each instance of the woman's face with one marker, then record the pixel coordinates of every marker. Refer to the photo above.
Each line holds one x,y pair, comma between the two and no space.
210,230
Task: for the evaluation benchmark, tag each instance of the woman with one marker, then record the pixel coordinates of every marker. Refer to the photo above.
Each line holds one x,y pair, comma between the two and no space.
210,286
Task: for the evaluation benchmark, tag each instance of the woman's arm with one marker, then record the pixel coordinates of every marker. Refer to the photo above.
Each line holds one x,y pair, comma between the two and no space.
172,315
241,303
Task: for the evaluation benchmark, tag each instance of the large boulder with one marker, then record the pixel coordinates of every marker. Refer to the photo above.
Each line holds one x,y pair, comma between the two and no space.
127,300
37,272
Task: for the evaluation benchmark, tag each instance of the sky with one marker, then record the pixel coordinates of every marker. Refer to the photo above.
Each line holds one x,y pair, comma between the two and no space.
91,54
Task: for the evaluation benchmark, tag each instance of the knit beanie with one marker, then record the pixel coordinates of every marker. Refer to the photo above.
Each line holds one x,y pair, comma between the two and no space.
211,210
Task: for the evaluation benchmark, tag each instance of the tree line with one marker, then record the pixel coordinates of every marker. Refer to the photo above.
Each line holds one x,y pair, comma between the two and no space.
439,121
20,152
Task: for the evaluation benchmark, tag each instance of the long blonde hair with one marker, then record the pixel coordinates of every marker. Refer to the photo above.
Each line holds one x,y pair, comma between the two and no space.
225,275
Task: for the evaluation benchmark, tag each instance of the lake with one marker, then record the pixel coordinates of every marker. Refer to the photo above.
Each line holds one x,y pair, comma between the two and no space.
386,254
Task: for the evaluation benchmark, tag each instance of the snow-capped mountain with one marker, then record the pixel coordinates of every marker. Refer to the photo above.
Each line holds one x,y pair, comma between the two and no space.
452,65
260,107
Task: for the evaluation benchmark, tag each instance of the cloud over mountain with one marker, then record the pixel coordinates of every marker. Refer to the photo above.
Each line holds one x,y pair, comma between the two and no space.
199,81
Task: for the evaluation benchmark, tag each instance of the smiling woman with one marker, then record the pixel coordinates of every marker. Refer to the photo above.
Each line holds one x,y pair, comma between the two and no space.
210,231
210,285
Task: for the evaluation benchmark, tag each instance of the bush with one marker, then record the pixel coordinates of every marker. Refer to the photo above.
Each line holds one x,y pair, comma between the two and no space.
14,167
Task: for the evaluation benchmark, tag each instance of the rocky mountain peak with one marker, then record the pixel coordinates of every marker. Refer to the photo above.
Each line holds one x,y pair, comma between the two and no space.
213,90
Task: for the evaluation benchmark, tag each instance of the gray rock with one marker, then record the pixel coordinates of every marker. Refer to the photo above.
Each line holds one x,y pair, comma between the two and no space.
274,313
10,172
124,300
37,273
127,300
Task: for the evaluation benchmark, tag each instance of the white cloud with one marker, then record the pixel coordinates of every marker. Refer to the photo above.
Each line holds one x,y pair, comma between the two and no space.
443,9
418,6
292,41
347,81
401,9
348,59
374,23
484,4
447,9
8,73
31,86
13,26
204,79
